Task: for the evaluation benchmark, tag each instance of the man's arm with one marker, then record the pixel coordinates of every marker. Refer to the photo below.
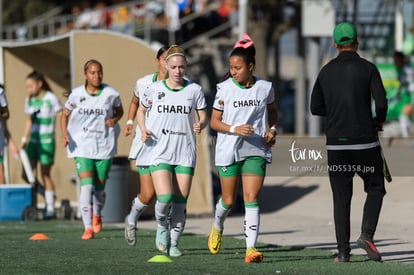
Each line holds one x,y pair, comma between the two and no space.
317,104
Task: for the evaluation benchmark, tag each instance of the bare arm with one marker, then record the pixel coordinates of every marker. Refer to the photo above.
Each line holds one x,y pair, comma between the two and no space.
64,119
217,124
202,121
272,117
26,133
132,112
119,112
145,133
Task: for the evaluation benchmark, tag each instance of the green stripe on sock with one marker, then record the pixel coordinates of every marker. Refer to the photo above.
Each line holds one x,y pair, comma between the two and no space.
225,206
180,199
252,204
165,198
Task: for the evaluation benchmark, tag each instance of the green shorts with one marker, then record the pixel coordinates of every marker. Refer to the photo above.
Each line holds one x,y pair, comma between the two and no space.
251,165
176,169
144,170
42,152
100,167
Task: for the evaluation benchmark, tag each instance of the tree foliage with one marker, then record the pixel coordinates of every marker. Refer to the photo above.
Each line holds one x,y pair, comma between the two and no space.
18,11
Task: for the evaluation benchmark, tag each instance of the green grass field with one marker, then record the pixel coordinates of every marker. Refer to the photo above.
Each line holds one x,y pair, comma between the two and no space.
108,253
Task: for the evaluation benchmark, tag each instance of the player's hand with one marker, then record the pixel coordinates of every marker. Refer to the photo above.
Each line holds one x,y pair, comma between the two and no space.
145,134
197,128
245,130
128,130
110,122
270,138
65,141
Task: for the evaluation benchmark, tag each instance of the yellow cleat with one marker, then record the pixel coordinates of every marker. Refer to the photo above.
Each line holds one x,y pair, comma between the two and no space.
253,256
214,240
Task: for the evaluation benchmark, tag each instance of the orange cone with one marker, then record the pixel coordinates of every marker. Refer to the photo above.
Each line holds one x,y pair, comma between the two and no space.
39,237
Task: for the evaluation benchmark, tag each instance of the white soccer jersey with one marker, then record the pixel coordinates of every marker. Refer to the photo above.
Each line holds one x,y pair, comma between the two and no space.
171,120
89,137
241,105
42,112
143,82
3,104
139,88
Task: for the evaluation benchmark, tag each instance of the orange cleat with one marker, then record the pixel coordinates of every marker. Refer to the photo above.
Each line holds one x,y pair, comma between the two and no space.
88,234
96,224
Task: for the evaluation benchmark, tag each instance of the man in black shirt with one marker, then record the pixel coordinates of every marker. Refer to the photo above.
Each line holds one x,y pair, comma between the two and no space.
343,93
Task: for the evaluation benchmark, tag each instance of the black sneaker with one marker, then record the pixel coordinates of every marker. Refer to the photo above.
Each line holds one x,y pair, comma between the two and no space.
342,257
368,245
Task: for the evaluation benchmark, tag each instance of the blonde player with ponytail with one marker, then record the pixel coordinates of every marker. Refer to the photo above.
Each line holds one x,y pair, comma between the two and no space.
170,145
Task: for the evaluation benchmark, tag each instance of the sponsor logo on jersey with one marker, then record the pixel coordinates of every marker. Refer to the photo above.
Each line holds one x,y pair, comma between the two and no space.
170,132
221,102
246,103
174,109
161,95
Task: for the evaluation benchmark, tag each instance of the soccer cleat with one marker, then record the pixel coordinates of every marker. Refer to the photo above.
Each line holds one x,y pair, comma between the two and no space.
342,257
174,251
368,245
214,240
88,234
130,233
253,256
161,241
96,224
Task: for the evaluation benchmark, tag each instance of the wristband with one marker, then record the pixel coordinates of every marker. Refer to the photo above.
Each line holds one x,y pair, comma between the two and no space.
232,128
24,139
273,129
130,122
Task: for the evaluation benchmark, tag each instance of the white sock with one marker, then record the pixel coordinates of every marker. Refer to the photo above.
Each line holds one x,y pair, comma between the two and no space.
162,210
98,202
85,205
178,217
221,214
251,225
50,200
137,209
405,125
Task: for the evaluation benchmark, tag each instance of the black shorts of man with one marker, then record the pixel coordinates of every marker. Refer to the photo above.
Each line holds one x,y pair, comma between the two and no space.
343,93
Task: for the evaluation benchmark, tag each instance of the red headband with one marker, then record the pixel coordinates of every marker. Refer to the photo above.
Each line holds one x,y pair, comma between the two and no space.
246,42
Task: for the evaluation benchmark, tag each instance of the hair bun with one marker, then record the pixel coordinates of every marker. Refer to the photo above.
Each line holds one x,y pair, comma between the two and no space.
245,42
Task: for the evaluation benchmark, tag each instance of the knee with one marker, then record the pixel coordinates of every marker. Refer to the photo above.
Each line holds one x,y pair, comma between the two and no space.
145,198
228,200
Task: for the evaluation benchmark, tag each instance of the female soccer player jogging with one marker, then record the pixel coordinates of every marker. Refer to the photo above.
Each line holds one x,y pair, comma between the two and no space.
170,145
243,108
147,192
90,130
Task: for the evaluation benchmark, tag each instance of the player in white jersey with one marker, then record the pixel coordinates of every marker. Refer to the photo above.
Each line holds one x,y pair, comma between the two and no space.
5,138
169,136
147,192
243,109
90,130
42,106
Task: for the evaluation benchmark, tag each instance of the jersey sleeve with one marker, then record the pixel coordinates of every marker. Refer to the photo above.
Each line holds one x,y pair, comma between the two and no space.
200,100
218,100
57,106
70,104
146,99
